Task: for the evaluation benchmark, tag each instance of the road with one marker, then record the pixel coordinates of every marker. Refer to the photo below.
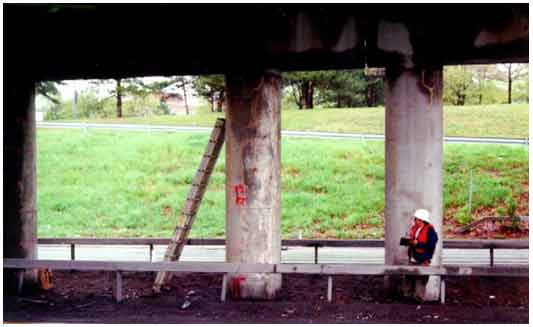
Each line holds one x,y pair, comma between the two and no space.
289,255
301,134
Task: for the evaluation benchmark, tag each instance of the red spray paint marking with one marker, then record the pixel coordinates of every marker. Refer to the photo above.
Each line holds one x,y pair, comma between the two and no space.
240,194
235,286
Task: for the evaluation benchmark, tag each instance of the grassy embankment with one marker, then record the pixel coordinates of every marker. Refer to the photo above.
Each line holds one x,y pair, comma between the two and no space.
500,120
125,184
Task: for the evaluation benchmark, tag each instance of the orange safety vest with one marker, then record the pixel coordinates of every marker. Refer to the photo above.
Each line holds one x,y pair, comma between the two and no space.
422,236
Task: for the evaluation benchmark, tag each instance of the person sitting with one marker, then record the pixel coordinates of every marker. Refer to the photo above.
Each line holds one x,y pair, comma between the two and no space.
423,239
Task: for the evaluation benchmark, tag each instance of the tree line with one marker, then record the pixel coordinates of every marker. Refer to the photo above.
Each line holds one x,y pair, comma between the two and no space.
473,84
486,84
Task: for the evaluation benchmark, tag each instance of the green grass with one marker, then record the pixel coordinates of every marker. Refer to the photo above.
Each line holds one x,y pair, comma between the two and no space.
476,121
132,184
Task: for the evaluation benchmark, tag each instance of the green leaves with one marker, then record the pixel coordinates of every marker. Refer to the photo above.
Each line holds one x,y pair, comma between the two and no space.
49,90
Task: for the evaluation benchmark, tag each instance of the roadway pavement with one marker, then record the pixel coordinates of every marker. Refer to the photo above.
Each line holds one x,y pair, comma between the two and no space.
289,255
299,134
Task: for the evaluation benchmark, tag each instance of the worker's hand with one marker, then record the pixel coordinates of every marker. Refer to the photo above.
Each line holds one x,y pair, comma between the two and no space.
414,242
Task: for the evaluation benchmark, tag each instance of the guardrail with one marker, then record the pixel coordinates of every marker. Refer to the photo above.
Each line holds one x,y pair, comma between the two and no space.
235,268
316,244
305,134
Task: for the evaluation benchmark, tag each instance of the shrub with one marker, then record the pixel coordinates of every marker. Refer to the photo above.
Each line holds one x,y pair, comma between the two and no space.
463,216
511,206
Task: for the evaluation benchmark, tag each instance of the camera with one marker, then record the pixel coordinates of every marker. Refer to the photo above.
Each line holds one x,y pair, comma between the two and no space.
404,241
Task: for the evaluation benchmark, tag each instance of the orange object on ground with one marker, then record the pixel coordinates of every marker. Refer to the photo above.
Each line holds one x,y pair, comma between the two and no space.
45,279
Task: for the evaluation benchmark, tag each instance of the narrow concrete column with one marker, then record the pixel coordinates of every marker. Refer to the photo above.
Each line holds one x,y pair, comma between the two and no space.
253,184
413,161
20,225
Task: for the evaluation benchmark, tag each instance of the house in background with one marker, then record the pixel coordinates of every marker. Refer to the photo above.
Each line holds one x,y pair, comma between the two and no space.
178,101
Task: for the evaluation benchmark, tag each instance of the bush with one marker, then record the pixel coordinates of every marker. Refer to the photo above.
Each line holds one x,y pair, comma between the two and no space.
53,113
162,109
511,206
463,216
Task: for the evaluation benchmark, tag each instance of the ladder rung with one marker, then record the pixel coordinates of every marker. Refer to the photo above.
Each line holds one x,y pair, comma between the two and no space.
190,214
175,244
204,170
183,227
191,204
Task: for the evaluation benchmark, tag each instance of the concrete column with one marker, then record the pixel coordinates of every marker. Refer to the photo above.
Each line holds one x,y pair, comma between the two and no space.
20,225
413,161
253,184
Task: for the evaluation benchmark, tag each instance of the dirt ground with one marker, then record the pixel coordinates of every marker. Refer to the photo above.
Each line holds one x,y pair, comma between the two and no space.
85,297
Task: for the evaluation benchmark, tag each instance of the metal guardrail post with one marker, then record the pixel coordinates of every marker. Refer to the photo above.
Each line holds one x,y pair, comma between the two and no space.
72,251
224,288
330,289
442,290
151,252
117,294
491,256
316,254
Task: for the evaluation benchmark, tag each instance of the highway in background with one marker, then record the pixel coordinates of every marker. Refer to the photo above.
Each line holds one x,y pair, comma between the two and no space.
301,134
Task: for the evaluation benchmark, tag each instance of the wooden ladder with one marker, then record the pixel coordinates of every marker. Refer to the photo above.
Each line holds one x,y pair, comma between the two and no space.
196,193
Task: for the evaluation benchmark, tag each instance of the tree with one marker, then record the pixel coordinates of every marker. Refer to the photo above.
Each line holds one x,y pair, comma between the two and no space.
521,91
374,86
118,94
480,74
122,86
458,84
341,88
303,85
514,72
183,82
211,87
344,88
49,90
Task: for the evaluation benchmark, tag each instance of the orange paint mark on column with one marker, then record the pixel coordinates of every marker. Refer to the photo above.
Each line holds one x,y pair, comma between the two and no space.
239,191
235,286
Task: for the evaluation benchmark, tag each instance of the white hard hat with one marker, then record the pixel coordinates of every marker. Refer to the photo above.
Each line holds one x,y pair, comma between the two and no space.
423,215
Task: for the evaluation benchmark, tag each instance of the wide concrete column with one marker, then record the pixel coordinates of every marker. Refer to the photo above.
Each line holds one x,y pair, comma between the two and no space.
413,162
253,184
20,225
